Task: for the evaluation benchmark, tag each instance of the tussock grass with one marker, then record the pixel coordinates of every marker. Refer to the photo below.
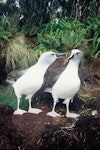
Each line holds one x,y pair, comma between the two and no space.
19,54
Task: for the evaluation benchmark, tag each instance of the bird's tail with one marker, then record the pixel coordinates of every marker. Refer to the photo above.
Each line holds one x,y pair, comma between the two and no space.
11,81
49,90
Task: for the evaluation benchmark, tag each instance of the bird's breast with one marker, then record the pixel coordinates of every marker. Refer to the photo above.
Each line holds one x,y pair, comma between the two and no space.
66,88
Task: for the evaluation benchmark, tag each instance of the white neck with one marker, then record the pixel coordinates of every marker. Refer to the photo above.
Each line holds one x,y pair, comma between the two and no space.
42,68
72,67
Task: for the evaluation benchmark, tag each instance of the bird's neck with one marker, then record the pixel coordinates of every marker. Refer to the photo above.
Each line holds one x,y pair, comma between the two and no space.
42,68
72,67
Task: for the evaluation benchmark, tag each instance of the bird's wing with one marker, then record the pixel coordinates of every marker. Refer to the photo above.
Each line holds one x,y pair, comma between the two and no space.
20,73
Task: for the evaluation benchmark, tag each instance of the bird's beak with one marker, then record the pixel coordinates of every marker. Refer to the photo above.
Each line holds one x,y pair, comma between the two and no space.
66,61
61,55
68,58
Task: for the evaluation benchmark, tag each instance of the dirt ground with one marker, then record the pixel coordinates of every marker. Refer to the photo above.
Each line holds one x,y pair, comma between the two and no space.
42,132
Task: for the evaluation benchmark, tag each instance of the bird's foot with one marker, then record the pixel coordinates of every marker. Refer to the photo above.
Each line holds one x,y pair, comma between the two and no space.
34,110
72,115
19,112
53,114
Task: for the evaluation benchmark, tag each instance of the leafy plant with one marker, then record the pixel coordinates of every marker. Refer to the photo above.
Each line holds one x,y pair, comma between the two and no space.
8,28
93,33
73,39
60,34
30,30
93,26
50,36
96,43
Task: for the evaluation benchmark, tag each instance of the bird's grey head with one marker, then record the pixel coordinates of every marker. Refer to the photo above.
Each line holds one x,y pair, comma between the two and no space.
76,55
48,58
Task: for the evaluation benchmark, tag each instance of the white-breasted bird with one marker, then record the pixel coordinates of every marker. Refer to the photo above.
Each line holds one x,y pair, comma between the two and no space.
29,83
68,84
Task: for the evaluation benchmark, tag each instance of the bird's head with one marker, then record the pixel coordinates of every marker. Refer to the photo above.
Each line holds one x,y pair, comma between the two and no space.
76,55
48,58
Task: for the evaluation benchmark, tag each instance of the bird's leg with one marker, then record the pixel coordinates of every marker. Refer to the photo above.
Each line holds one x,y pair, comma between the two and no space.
54,105
68,114
18,103
30,107
67,106
53,113
33,110
19,111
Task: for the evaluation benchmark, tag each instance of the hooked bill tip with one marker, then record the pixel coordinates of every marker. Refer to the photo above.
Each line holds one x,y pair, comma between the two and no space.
61,55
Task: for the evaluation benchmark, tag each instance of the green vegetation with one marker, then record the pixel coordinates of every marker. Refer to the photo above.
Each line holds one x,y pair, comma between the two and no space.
10,99
93,33
8,28
59,35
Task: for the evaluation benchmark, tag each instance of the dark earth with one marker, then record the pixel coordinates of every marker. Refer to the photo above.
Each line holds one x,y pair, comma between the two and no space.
42,132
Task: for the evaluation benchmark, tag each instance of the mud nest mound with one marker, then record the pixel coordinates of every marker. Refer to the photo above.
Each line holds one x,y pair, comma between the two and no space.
40,132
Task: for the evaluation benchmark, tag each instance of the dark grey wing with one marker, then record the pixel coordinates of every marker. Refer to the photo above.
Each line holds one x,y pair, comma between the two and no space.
20,73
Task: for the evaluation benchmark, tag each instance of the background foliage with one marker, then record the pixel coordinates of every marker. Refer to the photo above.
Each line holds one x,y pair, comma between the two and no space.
54,24
60,35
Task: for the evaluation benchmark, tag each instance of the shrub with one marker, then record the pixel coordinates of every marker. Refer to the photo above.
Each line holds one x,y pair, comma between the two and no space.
8,28
61,35
93,33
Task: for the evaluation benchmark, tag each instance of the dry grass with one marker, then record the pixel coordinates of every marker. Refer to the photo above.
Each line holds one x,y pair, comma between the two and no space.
19,54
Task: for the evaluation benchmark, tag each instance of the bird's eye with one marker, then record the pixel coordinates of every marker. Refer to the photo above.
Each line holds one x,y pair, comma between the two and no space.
53,54
77,53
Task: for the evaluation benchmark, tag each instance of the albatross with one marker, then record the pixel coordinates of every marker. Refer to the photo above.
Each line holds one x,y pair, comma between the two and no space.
29,83
67,85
